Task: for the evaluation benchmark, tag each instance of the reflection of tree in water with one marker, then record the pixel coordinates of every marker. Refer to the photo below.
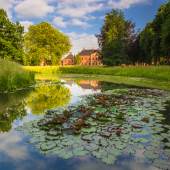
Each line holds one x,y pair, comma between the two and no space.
107,125
12,113
12,107
48,96
109,86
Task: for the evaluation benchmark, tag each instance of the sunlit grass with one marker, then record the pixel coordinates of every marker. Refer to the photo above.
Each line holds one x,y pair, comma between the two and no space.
152,72
42,69
13,76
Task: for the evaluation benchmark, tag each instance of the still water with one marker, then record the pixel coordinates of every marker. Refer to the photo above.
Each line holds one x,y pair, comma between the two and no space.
124,128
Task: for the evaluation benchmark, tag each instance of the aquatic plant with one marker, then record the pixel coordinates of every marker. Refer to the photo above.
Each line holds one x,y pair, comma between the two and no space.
105,126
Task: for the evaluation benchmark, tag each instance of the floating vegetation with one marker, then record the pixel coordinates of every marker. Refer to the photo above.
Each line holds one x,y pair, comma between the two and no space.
106,125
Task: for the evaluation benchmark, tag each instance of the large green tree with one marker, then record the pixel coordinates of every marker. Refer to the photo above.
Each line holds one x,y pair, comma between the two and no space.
114,38
146,43
11,38
44,45
155,38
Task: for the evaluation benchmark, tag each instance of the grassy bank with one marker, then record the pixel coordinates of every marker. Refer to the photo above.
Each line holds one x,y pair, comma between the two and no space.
42,69
13,76
151,72
138,82
161,73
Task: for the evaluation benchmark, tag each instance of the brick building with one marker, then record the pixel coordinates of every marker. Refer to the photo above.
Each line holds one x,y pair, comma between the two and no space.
90,57
69,60
87,57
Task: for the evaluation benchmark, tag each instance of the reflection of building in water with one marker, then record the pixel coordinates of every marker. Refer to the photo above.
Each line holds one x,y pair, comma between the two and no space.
89,84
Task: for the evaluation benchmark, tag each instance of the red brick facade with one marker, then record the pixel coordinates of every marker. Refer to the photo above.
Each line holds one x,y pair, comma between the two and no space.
87,57
90,57
69,60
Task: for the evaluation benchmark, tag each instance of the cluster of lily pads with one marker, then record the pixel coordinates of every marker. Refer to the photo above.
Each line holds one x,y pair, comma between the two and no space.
107,125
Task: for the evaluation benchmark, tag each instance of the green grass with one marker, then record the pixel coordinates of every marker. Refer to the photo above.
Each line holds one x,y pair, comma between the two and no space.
13,76
143,76
138,82
161,73
42,69
151,72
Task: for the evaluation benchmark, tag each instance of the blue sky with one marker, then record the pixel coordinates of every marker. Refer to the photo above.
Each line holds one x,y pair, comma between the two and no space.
79,19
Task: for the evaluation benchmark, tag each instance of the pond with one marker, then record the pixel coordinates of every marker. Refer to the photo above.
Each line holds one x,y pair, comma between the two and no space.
81,124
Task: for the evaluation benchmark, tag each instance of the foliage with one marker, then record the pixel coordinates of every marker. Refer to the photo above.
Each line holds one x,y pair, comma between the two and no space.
114,38
45,45
120,43
77,60
47,97
155,38
11,39
13,76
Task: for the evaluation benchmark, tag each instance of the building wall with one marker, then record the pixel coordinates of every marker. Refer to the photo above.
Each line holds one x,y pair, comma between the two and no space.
92,59
67,61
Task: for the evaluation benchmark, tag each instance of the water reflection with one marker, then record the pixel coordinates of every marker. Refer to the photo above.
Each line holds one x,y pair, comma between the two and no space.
12,107
145,130
89,84
106,126
48,96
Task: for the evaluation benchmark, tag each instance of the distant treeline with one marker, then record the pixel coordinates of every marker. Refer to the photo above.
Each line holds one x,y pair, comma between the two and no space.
120,44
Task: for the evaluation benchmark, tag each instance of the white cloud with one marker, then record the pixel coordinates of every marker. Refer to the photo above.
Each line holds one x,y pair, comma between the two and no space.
26,24
33,8
78,22
80,41
78,8
125,4
8,146
59,21
7,6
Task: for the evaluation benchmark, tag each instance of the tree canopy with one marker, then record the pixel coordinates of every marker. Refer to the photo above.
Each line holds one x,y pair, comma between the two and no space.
155,38
114,37
44,45
121,44
11,38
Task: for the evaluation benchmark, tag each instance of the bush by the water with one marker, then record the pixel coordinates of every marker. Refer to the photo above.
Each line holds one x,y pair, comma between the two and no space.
13,76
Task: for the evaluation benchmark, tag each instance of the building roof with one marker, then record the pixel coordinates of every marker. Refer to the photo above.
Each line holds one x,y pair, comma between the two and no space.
70,56
88,52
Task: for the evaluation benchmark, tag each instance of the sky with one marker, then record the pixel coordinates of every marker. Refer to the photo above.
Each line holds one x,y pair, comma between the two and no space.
81,20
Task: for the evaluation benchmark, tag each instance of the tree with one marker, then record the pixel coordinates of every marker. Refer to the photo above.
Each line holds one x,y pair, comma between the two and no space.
146,43
165,31
114,38
155,38
132,43
165,41
11,39
77,60
45,45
